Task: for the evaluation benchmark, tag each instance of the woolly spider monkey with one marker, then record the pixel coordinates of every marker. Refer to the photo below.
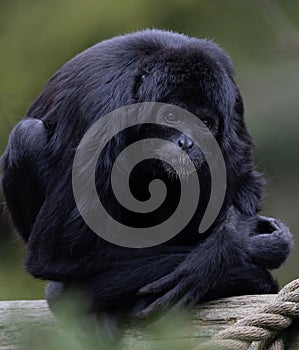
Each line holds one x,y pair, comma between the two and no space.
231,258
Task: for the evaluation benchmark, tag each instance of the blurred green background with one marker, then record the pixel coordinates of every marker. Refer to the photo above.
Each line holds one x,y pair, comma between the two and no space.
262,37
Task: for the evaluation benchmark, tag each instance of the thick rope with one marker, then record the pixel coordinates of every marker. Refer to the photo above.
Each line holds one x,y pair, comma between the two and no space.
264,327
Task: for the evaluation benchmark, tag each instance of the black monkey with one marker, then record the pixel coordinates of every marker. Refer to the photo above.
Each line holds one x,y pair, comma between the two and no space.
231,258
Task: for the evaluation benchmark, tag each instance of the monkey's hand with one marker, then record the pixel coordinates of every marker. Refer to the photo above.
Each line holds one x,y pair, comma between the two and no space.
271,243
206,266
248,244
182,287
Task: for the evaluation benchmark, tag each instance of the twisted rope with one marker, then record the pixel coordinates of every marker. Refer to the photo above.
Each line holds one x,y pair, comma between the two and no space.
264,327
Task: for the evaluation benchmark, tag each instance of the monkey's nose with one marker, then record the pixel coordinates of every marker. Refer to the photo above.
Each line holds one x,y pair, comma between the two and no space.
185,143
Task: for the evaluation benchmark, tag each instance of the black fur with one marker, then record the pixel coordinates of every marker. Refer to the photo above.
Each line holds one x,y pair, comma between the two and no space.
231,258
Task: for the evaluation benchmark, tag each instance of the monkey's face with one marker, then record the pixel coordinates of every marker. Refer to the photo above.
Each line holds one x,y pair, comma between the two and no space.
195,84
206,124
176,139
181,154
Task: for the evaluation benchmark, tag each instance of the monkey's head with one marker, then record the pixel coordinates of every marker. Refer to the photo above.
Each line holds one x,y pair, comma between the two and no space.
196,79
195,75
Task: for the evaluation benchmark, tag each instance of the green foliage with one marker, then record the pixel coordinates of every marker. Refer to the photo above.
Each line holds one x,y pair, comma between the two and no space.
77,332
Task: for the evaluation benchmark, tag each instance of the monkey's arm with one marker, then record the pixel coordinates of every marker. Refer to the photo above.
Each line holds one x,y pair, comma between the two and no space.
231,258
21,165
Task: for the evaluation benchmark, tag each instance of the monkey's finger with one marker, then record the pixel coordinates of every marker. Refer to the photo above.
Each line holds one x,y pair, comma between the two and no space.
186,303
160,285
161,304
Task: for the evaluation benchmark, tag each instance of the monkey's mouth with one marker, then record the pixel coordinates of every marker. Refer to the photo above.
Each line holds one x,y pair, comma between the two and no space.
175,167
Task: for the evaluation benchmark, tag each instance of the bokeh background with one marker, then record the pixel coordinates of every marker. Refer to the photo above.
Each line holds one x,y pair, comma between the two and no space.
261,36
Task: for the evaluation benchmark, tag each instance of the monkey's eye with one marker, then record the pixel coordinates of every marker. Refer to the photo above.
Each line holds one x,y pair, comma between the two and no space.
171,118
207,122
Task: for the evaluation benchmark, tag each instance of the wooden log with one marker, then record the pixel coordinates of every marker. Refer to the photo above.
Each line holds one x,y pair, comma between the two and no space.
20,320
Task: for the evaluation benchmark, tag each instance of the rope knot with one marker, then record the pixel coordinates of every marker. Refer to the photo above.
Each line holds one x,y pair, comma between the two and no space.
264,327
